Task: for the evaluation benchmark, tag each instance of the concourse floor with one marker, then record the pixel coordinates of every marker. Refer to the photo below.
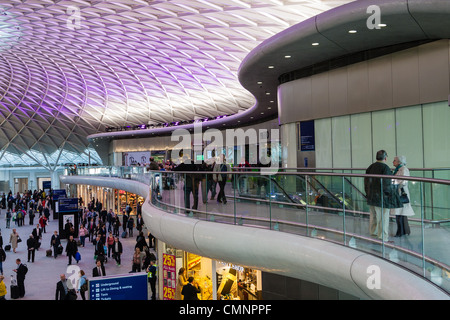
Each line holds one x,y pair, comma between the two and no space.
44,273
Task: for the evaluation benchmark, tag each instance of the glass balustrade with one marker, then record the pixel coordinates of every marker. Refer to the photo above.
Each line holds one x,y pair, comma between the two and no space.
322,204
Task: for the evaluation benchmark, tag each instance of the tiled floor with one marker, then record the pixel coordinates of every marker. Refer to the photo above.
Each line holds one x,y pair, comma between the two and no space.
44,273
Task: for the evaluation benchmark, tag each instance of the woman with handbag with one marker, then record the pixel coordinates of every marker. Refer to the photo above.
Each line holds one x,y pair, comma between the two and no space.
402,214
14,239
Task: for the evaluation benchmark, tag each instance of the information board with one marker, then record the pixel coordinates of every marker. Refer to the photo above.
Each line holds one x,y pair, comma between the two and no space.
307,137
124,287
68,205
169,276
68,214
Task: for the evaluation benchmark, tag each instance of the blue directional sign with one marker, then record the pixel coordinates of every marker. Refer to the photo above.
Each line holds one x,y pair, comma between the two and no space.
125,287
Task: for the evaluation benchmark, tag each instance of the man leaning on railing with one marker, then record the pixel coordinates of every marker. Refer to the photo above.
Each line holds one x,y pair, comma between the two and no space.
380,197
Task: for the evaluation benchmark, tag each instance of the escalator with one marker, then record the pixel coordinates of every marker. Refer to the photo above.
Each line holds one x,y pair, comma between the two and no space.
297,189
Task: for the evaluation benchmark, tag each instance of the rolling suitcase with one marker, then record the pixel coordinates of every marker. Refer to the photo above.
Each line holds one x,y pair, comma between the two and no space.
14,288
7,247
48,253
124,234
14,292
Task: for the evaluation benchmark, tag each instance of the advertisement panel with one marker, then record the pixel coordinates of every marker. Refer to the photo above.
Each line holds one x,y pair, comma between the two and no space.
169,276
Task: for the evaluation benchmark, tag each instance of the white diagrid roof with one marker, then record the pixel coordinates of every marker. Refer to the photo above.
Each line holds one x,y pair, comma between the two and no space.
71,68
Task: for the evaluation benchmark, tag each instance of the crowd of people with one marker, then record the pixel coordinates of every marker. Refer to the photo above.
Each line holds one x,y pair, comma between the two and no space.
98,227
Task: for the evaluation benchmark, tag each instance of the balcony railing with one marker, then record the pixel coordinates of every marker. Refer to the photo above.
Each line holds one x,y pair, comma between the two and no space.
331,206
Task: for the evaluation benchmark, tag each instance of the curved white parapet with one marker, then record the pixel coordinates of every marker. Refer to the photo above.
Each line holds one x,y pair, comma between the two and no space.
335,266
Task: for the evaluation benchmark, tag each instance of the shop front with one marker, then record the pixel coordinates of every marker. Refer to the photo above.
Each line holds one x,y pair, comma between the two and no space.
216,280
109,198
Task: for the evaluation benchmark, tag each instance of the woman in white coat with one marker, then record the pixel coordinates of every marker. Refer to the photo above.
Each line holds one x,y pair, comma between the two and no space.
402,214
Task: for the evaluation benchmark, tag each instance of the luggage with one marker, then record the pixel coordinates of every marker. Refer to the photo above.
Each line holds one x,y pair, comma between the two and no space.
14,288
14,291
124,234
77,256
60,249
48,253
7,247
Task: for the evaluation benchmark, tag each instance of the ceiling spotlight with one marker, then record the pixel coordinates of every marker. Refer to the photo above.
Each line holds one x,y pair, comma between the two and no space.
259,82
352,31
271,67
315,43
382,24
287,57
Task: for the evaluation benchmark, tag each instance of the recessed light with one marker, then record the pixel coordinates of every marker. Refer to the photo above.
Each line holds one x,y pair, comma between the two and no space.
315,43
352,31
262,112
259,82
271,101
287,57
382,24
267,93
271,67
269,108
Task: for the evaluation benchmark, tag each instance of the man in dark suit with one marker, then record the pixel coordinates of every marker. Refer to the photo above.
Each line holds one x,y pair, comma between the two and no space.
21,272
61,288
71,249
55,242
190,290
99,270
139,223
31,246
37,232
191,184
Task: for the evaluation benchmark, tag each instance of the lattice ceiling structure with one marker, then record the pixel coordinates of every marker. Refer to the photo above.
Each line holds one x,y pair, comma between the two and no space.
71,68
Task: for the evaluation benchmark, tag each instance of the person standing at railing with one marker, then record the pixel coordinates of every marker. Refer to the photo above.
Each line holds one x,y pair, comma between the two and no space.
191,184
222,177
402,214
381,197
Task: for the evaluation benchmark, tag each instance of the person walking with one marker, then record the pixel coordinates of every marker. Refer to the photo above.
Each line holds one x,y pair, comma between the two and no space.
151,275
2,259
402,214
130,225
137,261
221,178
31,246
71,249
82,233
8,219
14,240
61,288
55,242
110,242
3,291
117,250
83,285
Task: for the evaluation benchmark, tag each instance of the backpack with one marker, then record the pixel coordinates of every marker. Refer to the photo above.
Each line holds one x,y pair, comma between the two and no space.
223,168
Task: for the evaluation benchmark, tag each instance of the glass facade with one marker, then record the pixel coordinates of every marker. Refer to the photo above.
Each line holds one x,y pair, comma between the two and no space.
419,132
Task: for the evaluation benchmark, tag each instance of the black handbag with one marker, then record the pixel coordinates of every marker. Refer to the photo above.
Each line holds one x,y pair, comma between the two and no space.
403,196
